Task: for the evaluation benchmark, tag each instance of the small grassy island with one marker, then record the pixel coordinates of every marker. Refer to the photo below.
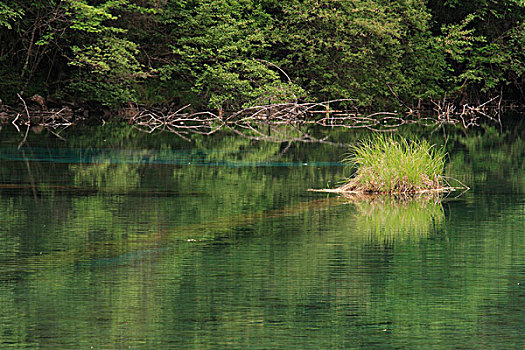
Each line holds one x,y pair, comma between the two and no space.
395,166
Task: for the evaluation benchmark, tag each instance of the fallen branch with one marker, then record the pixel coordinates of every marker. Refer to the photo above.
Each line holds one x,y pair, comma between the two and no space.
28,123
288,121
281,122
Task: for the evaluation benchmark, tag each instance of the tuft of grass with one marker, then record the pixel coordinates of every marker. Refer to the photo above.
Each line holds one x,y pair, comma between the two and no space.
395,165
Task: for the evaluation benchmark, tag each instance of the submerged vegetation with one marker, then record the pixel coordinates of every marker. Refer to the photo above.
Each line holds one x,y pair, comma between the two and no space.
396,166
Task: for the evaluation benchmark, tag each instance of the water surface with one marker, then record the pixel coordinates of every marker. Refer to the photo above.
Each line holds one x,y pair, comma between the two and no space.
122,240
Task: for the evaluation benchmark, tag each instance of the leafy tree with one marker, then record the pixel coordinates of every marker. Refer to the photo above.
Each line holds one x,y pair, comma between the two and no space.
352,49
8,15
52,37
218,47
229,54
485,45
107,62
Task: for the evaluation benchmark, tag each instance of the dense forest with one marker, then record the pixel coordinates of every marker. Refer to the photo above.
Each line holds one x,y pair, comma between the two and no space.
228,54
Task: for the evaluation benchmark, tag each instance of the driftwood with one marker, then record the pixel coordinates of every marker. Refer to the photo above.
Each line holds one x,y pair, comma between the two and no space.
442,188
280,122
55,121
289,121
437,190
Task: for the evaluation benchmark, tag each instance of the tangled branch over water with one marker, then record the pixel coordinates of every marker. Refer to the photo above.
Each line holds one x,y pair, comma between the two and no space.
289,121
55,121
280,122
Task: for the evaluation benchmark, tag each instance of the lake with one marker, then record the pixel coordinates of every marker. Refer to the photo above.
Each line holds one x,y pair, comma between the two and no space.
114,239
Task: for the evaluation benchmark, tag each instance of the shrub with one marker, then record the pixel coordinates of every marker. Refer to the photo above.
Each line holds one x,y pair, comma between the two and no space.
395,165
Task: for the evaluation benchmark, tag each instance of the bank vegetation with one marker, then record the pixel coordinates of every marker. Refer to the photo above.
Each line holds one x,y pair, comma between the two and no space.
153,57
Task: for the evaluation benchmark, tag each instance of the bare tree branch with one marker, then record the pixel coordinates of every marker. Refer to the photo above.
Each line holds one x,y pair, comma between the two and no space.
289,121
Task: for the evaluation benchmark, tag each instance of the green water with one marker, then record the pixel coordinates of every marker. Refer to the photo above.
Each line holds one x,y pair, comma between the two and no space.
116,240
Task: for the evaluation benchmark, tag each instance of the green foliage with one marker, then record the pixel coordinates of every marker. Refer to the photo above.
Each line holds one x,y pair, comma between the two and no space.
352,49
216,45
108,63
92,19
230,54
458,39
386,165
8,15
76,46
482,42
109,70
243,83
